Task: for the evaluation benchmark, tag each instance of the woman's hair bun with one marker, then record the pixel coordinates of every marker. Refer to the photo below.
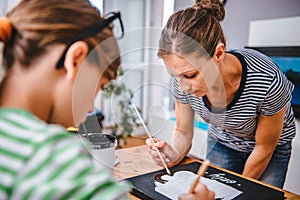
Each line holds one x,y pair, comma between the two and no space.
5,29
213,7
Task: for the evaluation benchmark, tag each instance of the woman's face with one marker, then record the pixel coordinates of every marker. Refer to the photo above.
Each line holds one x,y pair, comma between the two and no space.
191,79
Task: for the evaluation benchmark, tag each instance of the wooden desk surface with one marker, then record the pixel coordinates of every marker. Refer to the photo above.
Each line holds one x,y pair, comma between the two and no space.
136,161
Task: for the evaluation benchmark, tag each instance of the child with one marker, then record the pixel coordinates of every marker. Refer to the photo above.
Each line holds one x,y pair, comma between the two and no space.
40,160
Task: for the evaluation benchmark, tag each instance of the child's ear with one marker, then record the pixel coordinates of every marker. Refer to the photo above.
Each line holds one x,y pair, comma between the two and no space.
219,52
75,56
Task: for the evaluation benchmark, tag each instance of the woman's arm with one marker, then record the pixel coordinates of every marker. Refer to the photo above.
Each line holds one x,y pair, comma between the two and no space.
184,131
268,132
181,140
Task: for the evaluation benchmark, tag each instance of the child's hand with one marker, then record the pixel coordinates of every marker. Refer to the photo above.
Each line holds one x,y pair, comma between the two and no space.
201,192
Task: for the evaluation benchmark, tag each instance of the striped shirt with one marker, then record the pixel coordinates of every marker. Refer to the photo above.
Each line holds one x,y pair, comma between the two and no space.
264,90
41,161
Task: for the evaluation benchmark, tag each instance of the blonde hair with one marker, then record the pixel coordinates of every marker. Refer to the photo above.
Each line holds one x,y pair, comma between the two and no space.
35,24
200,23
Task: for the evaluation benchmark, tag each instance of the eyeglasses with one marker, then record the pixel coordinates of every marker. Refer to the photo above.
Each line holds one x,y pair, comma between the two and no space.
92,30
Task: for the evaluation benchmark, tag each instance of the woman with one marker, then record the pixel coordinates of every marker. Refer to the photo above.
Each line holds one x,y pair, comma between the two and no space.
40,160
241,93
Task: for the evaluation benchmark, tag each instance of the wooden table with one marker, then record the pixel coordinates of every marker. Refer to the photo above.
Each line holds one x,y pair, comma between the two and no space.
136,161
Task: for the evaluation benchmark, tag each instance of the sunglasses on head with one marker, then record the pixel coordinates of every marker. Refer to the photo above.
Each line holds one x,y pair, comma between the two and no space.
92,30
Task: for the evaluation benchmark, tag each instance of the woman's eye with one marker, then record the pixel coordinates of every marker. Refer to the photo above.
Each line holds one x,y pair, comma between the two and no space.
190,76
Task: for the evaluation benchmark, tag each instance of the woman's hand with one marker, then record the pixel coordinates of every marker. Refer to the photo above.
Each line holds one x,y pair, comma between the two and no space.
201,192
170,155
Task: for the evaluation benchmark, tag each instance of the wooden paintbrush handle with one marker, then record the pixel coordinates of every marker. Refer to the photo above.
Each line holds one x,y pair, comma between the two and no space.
200,173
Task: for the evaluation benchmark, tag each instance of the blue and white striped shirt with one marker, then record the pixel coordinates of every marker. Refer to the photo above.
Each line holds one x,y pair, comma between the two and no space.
264,90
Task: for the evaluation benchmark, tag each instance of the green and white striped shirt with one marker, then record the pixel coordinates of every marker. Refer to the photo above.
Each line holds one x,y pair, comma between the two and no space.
42,161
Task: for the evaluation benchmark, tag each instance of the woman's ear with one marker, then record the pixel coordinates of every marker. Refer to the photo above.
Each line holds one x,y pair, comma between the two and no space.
219,52
75,56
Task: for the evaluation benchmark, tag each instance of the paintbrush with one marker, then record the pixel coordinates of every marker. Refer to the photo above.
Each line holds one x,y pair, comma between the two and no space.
200,173
149,135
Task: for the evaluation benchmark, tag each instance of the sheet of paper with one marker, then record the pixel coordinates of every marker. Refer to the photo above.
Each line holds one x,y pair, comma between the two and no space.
181,181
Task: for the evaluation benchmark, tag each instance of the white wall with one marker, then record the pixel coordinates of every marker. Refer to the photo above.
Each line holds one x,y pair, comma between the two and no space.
274,32
6,5
3,7
239,13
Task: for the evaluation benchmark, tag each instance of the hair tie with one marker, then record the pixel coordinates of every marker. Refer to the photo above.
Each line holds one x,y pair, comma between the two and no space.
5,29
